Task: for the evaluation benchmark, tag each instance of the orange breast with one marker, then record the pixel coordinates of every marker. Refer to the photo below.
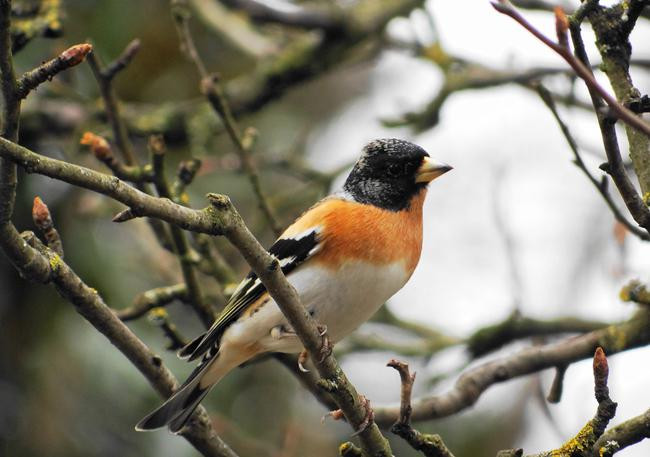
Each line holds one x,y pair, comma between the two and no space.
353,230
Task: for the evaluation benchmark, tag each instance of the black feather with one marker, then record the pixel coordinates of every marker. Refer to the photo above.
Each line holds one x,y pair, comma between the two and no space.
291,252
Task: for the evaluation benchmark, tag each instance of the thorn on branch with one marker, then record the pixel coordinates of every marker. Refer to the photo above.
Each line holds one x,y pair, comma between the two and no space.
555,393
43,220
124,216
46,71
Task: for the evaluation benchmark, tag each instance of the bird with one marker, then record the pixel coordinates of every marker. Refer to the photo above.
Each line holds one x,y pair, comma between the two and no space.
345,256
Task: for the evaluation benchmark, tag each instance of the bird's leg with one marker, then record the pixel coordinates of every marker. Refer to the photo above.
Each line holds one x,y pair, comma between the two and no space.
370,415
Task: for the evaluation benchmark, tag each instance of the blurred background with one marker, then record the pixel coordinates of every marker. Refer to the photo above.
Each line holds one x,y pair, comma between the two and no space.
515,226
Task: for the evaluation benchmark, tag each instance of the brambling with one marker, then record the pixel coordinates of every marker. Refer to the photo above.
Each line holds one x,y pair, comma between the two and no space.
345,256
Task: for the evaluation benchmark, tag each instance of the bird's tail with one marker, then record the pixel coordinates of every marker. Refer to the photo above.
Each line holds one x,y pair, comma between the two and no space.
179,407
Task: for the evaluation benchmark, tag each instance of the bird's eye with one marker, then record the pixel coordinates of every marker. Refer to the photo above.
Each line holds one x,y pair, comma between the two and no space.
394,169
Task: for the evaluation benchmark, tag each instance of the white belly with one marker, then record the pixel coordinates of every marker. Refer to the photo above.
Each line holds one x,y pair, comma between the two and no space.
341,300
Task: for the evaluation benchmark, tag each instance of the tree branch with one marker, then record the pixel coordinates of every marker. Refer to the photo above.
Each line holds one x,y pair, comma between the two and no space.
470,386
213,91
601,185
581,70
90,305
221,218
154,298
429,445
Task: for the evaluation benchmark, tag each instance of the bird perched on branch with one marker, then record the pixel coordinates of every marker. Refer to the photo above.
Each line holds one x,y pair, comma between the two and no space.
345,256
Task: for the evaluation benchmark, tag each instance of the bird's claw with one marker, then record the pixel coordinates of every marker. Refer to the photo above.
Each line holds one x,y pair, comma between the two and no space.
326,348
370,415
336,415
302,359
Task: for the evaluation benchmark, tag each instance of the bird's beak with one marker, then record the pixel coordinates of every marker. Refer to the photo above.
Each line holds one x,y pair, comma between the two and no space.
430,170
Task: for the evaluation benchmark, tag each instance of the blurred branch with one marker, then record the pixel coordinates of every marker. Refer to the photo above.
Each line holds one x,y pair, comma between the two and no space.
313,17
234,28
160,318
154,298
122,61
186,256
211,88
637,292
104,77
29,21
221,218
46,265
429,445
601,185
567,6
120,134
461,75
310,55
517,326
470,386
90,305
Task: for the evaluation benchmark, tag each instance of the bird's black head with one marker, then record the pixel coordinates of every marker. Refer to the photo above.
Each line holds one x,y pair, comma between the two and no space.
390,172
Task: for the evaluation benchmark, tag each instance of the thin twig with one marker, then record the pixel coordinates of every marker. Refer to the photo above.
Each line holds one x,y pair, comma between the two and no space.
46,71
212,89
122,60
616,167
581,70
120,134
186,256
601,185
102,150
160,318
429,445
154,298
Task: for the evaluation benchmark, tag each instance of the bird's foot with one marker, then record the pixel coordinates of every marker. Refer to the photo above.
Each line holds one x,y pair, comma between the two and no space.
370,415
326,347
302,359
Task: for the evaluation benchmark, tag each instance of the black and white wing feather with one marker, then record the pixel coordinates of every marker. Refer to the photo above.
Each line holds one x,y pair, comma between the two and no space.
290,252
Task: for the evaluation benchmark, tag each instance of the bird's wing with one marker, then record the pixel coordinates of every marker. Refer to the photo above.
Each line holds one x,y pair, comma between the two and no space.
290,252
